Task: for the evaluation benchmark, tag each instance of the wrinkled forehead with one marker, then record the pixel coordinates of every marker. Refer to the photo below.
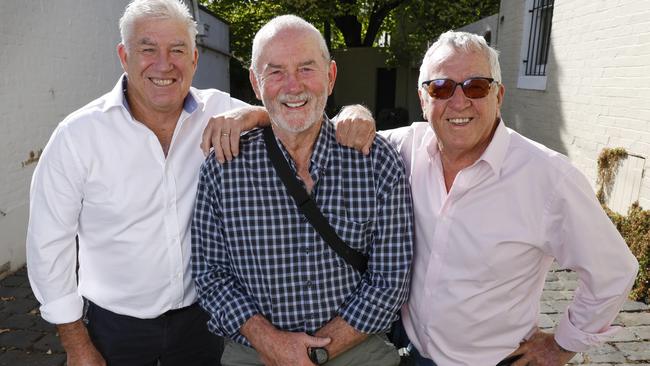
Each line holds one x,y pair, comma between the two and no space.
289,42
169,29
448,61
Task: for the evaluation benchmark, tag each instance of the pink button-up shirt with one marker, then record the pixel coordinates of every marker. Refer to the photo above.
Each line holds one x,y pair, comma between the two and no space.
483,249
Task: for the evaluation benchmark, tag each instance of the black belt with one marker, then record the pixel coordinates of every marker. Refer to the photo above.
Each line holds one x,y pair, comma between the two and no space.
180,310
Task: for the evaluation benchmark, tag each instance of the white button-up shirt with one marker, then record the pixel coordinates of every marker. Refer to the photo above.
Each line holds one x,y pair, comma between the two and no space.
104,177
483,249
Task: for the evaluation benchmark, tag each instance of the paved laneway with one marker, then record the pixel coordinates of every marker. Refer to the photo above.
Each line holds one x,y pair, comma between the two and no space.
26,340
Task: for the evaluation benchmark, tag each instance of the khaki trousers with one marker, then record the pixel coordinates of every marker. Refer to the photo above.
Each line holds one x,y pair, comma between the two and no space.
374,351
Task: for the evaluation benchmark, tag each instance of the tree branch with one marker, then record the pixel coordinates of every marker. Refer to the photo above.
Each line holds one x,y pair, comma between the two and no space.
377,16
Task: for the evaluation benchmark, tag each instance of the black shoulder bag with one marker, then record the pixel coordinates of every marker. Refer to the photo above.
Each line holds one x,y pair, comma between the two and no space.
308,207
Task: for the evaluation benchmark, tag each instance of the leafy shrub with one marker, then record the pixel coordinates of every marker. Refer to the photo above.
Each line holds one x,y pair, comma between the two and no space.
635,227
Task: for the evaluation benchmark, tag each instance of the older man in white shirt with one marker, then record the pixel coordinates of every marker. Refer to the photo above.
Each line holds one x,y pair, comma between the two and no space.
121,173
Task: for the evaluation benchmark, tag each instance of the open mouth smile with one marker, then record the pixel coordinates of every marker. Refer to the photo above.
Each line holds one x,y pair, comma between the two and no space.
161,82
459,121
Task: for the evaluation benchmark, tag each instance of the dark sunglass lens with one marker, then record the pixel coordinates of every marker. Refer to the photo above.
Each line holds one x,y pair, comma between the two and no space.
476,88
442,88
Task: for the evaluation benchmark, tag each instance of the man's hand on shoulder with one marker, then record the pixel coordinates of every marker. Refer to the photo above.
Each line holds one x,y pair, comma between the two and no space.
542,350
223,130
77,344
355,128
280,348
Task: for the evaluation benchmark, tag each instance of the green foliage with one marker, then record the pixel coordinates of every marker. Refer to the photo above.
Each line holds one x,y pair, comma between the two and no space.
411,24
417,25
635,229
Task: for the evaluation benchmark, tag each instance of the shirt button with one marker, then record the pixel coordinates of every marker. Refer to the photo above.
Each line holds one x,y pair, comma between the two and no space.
306,250
309,284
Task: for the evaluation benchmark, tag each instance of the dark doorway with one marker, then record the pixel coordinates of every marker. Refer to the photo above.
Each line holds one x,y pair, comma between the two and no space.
385,93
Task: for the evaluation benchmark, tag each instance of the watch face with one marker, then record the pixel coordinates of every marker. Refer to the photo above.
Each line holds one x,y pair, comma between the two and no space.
318,356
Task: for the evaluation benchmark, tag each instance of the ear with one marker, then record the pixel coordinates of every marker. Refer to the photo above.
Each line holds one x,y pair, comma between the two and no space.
195,60
423,94
254,84
121,53
500,93
331,75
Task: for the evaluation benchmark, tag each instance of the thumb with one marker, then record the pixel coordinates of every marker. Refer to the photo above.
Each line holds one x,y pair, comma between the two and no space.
311,341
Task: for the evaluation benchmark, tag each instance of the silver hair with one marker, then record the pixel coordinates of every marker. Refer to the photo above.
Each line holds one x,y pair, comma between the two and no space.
161,9
462,41
280,23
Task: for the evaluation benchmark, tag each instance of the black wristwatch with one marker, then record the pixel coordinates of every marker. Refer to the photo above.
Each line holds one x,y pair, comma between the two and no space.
318,355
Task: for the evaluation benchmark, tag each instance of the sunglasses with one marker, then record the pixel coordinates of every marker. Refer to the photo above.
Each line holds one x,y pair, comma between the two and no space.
473,88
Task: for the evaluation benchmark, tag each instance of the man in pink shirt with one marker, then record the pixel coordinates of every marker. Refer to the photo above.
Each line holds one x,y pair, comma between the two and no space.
493,210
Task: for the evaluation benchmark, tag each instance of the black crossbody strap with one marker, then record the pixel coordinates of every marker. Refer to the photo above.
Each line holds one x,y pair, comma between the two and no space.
309,208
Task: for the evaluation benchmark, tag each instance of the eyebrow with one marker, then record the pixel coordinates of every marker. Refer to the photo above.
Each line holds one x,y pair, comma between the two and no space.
274,66
149,42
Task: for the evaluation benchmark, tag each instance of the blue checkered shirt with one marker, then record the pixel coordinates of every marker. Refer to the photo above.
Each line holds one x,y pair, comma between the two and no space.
253,252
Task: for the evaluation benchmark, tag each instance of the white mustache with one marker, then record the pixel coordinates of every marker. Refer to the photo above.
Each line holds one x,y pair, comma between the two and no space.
285,98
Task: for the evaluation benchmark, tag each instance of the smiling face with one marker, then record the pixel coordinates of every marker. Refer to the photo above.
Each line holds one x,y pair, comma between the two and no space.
160,64
463,126
293,79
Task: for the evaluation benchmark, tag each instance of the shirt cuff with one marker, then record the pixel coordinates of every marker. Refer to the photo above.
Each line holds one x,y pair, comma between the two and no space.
366,317
233,320
66,309
573,339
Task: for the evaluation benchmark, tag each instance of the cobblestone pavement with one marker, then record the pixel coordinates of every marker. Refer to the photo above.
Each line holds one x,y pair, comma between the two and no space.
27,340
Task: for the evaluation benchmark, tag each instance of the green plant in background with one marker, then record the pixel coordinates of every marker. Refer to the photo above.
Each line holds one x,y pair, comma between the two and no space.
634,227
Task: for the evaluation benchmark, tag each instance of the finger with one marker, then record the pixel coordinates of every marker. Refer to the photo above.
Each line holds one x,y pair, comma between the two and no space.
206,139
218,149
225,145
343,128
368,145
234,142
311,341
338,127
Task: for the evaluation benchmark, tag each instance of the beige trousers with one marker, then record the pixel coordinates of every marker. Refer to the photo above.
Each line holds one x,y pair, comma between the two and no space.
374,351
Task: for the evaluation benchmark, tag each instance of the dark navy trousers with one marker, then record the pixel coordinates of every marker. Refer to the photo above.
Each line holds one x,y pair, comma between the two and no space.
177,338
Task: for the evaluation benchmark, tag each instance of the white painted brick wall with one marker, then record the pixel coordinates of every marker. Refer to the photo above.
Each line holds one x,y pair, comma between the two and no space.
598,87
56,56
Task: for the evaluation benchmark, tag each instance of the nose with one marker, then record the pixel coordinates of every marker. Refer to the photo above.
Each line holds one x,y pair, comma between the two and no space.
292,83
163,62
458,99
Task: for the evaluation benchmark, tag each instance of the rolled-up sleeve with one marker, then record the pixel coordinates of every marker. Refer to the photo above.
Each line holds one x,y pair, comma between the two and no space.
56,196
583,239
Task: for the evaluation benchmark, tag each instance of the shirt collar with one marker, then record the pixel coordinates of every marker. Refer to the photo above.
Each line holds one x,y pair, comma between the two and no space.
322,149
494,154
117,97
320,154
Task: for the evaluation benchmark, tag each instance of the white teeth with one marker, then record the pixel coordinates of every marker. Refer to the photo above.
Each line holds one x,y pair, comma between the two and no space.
162,82
459,121
296,105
